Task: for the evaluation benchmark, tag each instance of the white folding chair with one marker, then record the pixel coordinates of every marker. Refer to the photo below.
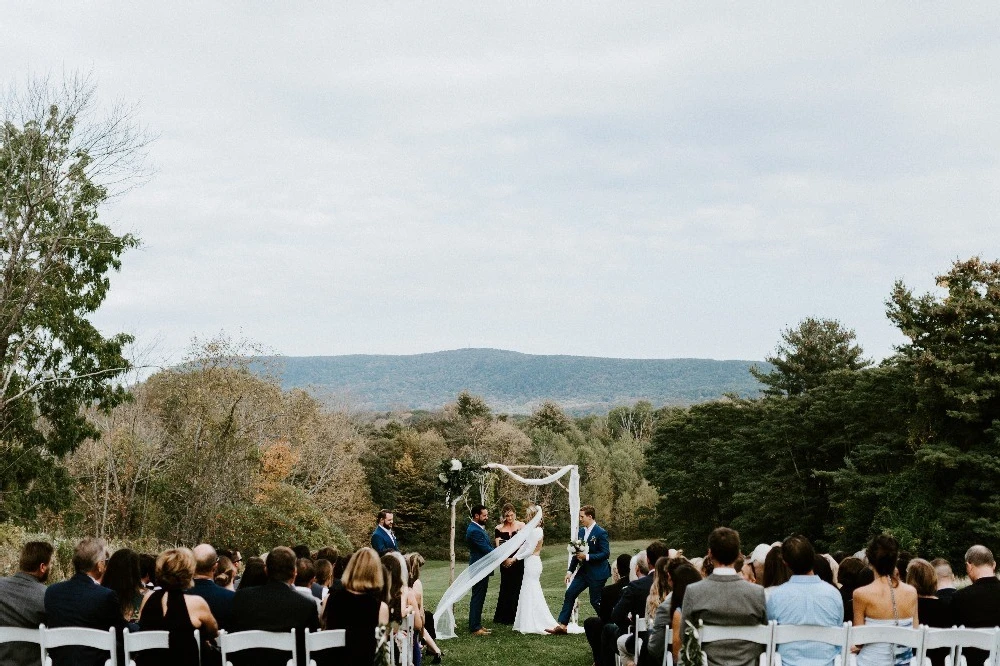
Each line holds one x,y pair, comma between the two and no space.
904,636
249,640
23,635
792,633
958,639
640,626
762,634
406,649
151,640
323,640
79,637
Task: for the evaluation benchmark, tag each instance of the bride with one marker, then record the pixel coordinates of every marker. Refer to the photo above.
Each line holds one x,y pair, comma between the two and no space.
533,616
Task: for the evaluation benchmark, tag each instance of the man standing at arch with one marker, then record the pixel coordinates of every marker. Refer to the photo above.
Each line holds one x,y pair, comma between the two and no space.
383,540
592,568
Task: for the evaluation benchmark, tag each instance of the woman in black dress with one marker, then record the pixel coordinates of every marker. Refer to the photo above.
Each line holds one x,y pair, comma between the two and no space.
169,609
358,608
932,611
511,571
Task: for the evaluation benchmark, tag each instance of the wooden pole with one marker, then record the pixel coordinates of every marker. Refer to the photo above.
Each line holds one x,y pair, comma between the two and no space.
451,578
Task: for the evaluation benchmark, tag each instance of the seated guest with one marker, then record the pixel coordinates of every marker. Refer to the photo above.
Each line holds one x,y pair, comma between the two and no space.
659,595
147,570
610,594
225,574
321,587
822,568
170,609
414,561
681,574
274,606
22,601
357,607
945,579
632,603
724,598
255,574
932,611
775,570
124,577
302,552
887,601
82,602
305,576
805,599
219,599
978,605
852,574
339,567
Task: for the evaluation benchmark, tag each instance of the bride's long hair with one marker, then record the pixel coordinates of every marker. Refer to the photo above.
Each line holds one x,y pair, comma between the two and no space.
532,511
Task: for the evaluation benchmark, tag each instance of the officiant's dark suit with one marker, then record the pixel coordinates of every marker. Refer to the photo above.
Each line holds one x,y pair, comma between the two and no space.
479,547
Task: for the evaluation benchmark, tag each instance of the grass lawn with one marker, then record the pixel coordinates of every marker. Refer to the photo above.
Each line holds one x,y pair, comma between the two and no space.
506,647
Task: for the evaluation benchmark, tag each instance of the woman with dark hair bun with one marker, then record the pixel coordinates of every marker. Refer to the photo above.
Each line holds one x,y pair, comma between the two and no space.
886,601
254,574
124,576
776,572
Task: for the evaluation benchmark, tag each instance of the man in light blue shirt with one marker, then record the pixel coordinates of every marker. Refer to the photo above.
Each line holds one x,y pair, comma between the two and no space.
805,600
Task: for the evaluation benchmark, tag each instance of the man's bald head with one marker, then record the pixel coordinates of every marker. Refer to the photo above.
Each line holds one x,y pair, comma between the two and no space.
205,560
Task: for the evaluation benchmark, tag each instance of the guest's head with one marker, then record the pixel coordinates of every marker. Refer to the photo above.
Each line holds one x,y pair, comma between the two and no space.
340,566
385,518
328,553
681,576
920,574
903,563
661,579
757,557
414,562
776,572
363,573
945,576
798,554
305,572
883,553
824,570
639,566
254,574
123,576
745,569
36,559
324,572
147,569
302,551
225,573
175,569
724,546
206,561
479,514
90,557
654,551
979,563
280,565
621,567
851,574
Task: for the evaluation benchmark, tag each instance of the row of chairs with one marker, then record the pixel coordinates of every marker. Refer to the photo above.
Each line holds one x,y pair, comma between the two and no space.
47,639
920,640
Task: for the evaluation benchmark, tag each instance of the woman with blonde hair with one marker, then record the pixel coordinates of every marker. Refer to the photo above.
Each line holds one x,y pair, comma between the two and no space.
357,607
169,609
414,561
533,615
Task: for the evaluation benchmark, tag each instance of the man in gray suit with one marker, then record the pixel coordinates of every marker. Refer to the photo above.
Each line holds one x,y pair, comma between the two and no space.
724,598
22,602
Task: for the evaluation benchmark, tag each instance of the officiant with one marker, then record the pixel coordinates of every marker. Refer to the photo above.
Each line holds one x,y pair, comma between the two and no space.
511,571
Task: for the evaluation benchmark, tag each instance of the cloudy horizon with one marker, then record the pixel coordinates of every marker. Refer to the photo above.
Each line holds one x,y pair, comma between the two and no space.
624,181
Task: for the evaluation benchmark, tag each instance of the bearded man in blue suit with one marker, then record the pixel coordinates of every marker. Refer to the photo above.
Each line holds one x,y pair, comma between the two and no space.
592,568
479,547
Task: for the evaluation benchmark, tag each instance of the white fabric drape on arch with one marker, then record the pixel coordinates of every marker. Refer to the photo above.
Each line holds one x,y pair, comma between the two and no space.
444,618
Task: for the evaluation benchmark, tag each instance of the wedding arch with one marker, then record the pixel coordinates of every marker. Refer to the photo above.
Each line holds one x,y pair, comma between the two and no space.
444,618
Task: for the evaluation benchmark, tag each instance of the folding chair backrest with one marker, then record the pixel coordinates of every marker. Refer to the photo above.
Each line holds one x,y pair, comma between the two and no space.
249,640
323,640
957,639
22,635
757,633
904,636
79,637
150,640
406,650
791,633
640,625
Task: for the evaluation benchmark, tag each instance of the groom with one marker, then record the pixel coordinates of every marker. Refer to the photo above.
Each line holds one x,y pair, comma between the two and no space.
592,568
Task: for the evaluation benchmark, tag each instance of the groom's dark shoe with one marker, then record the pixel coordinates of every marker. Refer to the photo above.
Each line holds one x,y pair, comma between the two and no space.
558,629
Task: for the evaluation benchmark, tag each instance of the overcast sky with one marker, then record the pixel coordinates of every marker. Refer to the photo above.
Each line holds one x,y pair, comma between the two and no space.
615,179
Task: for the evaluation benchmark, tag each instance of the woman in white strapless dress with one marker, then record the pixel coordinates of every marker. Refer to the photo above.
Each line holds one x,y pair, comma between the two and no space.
533,615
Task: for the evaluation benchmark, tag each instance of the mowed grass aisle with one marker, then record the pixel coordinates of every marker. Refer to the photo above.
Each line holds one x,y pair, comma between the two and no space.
506,647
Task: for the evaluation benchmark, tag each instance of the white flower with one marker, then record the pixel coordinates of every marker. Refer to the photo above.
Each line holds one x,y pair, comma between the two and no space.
456,465
443,477
570,549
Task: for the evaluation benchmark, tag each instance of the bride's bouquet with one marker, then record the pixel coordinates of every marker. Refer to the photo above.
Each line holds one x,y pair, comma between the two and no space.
577,546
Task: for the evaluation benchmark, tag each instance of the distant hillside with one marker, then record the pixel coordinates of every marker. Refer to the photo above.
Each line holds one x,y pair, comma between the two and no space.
510,381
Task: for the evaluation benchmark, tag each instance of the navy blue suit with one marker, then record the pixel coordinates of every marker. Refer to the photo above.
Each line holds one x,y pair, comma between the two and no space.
479,547
591,573
219,599
81,602
382,542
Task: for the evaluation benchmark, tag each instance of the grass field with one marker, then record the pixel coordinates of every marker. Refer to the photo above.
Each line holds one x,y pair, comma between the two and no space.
506,647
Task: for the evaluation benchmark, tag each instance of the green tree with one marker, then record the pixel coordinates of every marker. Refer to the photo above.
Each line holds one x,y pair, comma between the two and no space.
807,354
57,167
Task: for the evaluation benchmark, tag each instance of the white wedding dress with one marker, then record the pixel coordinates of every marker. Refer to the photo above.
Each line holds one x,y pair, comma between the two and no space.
533,615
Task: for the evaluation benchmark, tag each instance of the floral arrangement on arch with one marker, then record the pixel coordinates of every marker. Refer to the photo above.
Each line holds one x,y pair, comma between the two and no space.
456,476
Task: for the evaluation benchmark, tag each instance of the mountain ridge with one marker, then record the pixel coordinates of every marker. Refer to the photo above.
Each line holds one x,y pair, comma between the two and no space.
510,381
